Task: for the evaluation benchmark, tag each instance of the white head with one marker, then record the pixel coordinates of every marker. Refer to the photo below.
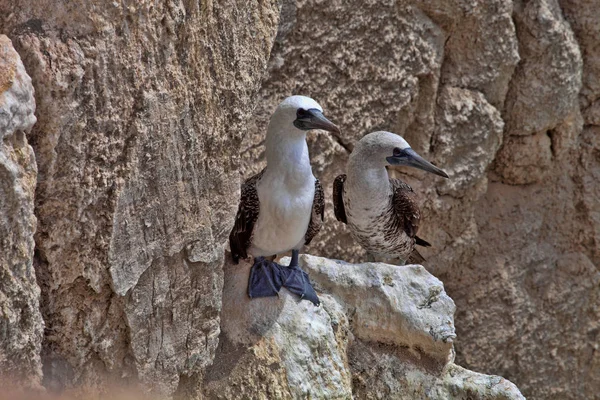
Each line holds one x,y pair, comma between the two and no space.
298,114
386,148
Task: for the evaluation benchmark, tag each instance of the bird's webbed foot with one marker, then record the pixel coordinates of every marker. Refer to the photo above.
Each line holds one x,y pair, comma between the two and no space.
265,278
297,281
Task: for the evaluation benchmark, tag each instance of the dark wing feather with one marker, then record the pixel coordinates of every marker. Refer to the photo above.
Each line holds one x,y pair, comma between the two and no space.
241,234
338,198
406,208
317,214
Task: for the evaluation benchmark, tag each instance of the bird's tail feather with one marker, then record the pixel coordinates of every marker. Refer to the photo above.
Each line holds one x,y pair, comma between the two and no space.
415,257
422,242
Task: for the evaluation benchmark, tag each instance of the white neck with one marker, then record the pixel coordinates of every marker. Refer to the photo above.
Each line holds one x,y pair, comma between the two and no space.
368,183
287,155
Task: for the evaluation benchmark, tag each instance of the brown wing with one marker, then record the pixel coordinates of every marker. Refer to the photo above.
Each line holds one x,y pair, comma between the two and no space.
338,198
317,214
241,234
406,208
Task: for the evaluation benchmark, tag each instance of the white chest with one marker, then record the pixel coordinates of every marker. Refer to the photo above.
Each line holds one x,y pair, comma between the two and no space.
285,212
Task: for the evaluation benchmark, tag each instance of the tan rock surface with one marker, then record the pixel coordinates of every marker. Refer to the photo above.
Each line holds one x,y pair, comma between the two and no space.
21,324
278,347
141,107
406,307
382,332
143,111
504,96
382,372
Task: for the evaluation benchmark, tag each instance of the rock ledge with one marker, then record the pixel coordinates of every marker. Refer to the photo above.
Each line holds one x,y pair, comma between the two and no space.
382,332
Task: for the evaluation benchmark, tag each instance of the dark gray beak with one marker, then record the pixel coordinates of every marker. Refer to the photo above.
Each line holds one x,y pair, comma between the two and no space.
410,158
314,119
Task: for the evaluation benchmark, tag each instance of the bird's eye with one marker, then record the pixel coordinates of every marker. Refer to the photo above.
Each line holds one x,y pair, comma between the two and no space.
301,113
397,152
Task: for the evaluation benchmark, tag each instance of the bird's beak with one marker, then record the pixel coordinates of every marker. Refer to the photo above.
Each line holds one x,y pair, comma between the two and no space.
315,119
410,158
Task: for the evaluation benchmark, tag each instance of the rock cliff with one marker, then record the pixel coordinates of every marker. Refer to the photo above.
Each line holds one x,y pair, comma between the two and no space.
505,97
116,204
141,107
21,324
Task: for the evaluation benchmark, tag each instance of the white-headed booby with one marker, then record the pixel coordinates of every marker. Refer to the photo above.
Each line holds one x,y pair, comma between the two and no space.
382,213
281,208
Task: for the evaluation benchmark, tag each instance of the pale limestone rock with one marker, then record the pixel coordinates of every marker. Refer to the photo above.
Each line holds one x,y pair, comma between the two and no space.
481,49
382,332
468,135
302,340
17,101
583,18
543,94
404,306
530,287
590,197
21,324
525,159
141,106
386,373
509,211
540,98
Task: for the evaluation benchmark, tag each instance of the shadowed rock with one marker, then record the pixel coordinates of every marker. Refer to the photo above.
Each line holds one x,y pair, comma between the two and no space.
21,324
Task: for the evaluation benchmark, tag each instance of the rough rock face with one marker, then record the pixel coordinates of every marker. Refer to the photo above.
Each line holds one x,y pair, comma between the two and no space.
21,324
143,109
132,213
383,332
505,96
420,69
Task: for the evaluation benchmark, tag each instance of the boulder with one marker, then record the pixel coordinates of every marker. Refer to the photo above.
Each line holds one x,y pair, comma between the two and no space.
381,332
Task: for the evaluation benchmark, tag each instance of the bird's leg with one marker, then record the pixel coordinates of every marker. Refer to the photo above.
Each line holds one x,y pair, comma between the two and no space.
294,262
294,265
265,278
371,258
297,282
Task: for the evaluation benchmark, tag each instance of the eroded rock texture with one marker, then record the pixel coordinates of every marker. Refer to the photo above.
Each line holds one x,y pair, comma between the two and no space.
141,109
21,324
505,97
382,332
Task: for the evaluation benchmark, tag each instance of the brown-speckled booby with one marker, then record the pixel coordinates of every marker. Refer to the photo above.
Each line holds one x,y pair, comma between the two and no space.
281,208
382,213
